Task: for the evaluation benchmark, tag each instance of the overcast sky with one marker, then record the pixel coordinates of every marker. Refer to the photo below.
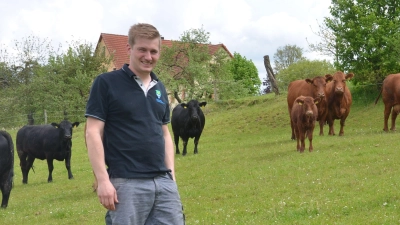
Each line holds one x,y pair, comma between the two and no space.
253,28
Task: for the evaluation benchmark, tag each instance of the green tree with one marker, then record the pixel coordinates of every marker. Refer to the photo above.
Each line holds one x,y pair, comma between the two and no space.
245,72
222,79
183,67
287,55
30,55
59,83
72,73
367,37
304,69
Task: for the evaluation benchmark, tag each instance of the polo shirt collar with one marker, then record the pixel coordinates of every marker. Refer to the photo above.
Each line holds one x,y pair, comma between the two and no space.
129,72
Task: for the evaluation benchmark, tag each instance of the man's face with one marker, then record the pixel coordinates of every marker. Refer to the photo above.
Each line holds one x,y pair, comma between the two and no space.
144,55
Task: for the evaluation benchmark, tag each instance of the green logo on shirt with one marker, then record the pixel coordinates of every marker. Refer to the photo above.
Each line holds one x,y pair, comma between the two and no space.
158,93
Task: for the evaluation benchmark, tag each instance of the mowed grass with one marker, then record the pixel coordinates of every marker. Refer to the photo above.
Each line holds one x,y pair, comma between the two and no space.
247,172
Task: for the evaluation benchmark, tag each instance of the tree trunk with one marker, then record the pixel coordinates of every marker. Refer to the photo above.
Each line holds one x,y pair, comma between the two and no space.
177,97
271,75
31,121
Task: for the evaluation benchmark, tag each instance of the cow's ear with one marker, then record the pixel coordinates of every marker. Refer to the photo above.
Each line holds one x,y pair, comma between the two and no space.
299,101
202,104
76,124
349,76
309,81
184,105
328,78
55,125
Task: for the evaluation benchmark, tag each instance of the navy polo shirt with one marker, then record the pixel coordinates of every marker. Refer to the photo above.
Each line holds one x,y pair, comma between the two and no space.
133,139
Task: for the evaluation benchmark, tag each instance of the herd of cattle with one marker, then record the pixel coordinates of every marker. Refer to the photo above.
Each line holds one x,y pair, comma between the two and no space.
327,98
322,98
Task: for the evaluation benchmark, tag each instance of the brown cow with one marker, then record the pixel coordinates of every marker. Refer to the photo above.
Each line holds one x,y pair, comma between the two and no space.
303,116
391,98
314,87
339,100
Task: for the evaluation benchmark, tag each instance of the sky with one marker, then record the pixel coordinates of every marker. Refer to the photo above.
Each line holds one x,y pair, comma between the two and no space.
252,28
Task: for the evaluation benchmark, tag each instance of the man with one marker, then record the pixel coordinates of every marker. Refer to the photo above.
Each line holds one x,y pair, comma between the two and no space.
127,116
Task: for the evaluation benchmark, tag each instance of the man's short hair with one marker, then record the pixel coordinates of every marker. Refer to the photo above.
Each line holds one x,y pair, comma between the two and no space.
142,30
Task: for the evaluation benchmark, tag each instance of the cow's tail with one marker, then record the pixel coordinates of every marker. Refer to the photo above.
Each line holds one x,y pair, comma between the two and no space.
380,93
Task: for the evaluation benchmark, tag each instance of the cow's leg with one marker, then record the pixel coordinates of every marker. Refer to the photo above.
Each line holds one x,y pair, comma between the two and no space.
196,142
185,142
292,126
321,127
302,138
310,137
394,116
51,167
6,185
26,165
386,114
342,121
23,164
331,127
176,140
68,165
297,138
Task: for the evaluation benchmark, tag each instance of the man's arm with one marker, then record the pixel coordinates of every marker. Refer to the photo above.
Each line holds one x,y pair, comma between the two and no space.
169,151
94,139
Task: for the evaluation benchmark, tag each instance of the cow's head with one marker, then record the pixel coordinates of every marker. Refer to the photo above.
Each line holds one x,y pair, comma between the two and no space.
339,81
66,128
193,106
308,104
319,83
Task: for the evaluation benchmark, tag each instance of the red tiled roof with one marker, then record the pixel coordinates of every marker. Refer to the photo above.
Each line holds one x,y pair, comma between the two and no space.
116,44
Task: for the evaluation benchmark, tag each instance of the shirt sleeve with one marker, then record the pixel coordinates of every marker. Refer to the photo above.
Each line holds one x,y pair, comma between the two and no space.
97,105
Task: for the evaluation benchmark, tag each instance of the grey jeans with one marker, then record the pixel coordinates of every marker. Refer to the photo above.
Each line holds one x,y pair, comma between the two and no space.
146,202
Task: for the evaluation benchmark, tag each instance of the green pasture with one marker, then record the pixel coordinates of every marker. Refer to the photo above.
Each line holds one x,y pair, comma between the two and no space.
247,172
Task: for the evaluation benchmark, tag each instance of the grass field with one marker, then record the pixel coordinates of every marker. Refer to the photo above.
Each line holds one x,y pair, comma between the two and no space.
247,172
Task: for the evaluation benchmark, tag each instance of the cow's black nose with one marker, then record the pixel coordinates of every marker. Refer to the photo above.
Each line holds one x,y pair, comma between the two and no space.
68,137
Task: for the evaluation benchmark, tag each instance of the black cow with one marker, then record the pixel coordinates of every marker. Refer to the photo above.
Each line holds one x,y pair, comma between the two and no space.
45,142
187,122
6,166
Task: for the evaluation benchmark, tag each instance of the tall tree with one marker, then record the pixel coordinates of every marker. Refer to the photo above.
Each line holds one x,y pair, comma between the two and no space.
366,37
245,71
328,45
287,55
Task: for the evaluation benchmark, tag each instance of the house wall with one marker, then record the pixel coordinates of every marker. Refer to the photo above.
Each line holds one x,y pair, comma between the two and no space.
101,45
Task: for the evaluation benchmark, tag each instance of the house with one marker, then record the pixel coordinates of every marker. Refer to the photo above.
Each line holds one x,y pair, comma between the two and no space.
115,44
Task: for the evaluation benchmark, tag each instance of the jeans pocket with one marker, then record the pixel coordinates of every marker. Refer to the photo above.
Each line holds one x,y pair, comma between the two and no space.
118,182
170,175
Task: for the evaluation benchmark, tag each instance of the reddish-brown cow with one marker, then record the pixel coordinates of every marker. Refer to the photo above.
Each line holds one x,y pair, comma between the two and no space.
303,116
314,87
391,98
339,100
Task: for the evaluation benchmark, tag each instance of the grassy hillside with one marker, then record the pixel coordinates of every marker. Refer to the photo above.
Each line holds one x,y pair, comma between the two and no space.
247,172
